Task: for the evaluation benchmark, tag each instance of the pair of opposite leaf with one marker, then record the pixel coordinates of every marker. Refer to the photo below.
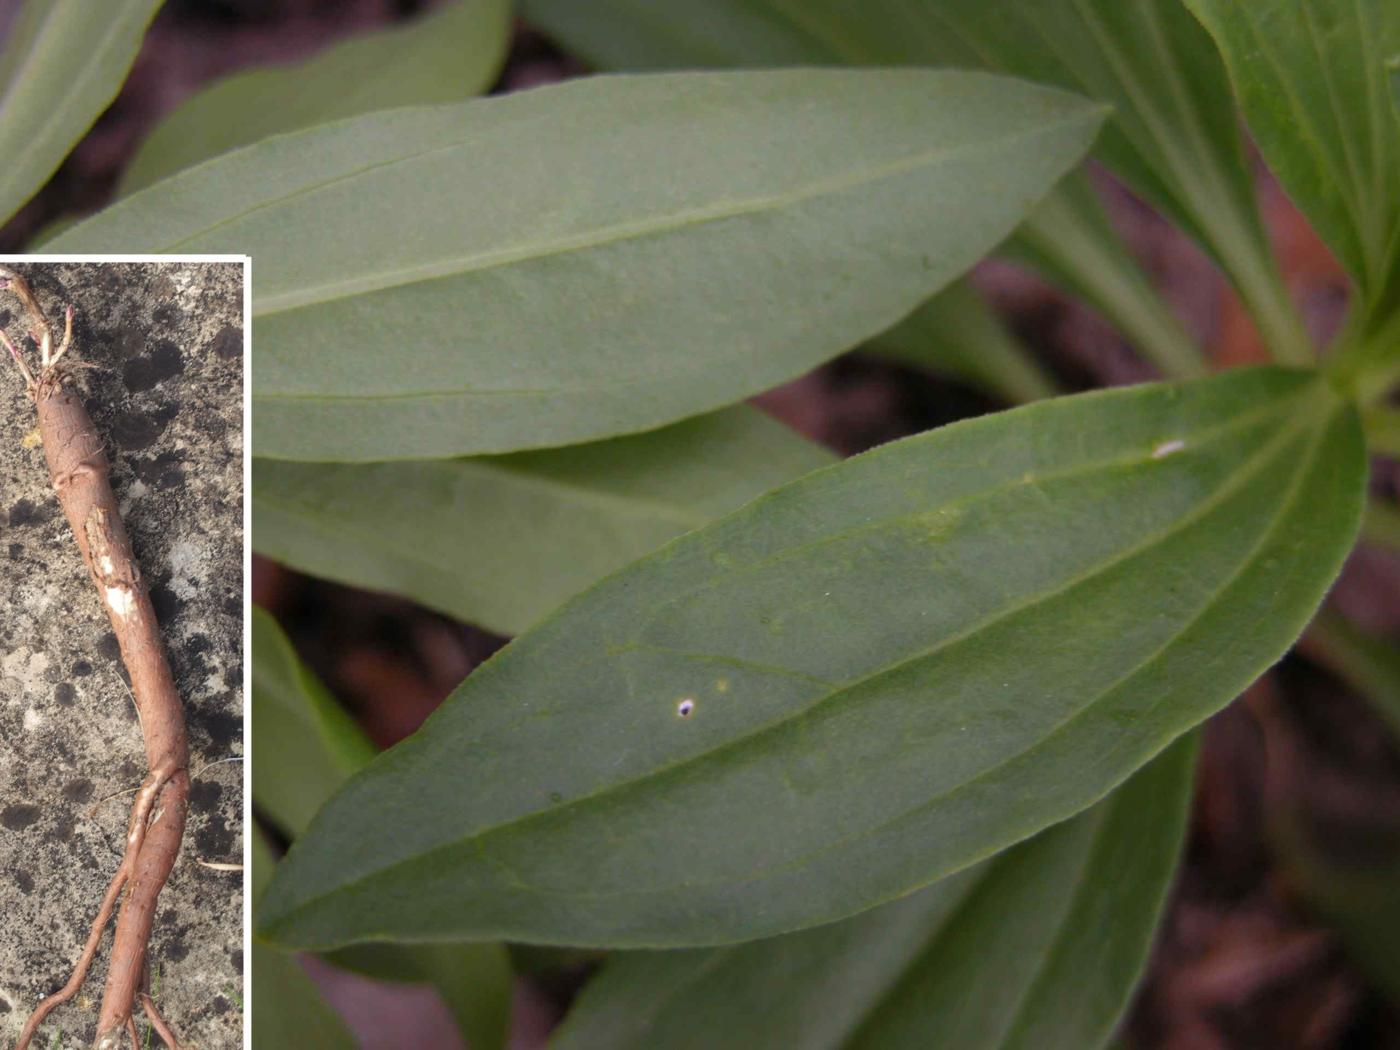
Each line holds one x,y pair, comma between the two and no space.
1326,433
891,179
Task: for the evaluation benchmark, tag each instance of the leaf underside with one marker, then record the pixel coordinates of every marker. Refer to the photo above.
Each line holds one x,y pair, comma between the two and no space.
690,239
1173,136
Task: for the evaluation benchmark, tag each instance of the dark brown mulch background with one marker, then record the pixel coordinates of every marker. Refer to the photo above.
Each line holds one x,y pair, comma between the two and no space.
1244,960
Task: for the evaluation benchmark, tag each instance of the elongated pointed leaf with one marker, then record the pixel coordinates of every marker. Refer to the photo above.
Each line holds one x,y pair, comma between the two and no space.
857,684
517,535
63,64
1173,133
599,257
1039,948
1172,112
304,747
449,55
1311,75
1068,237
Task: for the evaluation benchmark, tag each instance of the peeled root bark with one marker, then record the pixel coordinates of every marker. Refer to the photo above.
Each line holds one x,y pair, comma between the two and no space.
78,470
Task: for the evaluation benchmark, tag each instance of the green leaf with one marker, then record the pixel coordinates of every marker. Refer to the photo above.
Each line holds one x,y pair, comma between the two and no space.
304,747
62,66
954,333
1070,240
856,684
1039,948
688,239
1312,79
516,535
449,55
291,1011
1173,134
1068,237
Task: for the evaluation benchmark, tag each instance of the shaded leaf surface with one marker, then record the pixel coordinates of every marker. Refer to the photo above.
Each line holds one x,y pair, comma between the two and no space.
1149,58
63,64
1312,78
1038,948
690,239
449,55
857,684
502,541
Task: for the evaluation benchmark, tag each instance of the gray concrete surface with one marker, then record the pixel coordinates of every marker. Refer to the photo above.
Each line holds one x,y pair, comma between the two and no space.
164,342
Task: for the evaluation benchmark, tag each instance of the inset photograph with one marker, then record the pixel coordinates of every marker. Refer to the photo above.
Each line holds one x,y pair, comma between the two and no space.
121,653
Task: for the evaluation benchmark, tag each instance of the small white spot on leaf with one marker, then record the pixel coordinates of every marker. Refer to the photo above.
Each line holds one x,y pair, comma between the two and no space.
685,707
1166,448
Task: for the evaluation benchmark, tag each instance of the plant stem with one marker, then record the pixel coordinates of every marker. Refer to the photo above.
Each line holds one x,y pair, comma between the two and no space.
1073,243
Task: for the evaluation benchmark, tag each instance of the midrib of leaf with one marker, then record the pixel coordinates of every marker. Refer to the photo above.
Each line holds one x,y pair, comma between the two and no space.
618,232
1251,466
301,191
1201,439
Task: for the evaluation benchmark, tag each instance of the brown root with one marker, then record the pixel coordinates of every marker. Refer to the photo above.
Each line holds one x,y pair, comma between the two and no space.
79,472
158,1022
